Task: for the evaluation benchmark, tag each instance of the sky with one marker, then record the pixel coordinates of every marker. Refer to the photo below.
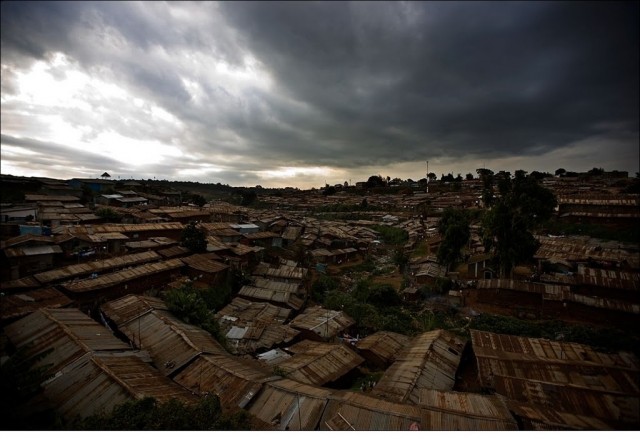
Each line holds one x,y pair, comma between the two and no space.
303,94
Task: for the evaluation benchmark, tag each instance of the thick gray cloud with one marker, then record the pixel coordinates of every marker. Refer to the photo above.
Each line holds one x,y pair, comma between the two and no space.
253,86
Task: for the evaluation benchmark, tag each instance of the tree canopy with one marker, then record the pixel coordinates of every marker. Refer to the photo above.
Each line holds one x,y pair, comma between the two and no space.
454,229
193,238
523,204
198,200
149,414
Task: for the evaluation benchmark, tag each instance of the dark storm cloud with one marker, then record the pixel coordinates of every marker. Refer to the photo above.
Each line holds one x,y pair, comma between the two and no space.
351,84
496,78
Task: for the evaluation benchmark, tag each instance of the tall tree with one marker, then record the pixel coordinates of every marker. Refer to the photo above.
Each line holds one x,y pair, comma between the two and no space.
198,200
486,175
508,225
454,229
193,238
375,181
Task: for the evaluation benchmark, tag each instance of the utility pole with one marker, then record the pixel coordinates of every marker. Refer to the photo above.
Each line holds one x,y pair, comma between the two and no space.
427,176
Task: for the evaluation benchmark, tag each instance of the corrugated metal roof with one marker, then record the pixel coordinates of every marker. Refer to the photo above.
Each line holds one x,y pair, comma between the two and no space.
612,408
24,239
357,411
465,411
576,249
429,362
257,293
560,376
527,287
544,419
326,323
430,269
559,293
20,284
599,201
206,263
69,333
171,343
319,363
282,272
247,311
290,405
21,304
111,279
97,383
96,267
120,228
613,279
501,346
383,344
273,357
235,381
36,250
274,285
291,233
129,307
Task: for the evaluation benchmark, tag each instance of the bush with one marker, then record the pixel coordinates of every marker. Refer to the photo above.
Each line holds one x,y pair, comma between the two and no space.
392,235
147,414
187,305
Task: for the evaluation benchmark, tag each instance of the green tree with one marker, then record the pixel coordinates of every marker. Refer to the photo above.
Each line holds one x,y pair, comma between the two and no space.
454,229
392,235
469,176
20,381
248,197
375,181
187,304
400,258
108,214
508,226
198,200
329,190
321,287
148,414
486,175
193,238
